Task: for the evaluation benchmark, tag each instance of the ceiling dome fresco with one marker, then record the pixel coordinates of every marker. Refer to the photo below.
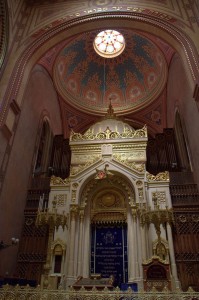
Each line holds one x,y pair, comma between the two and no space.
129,81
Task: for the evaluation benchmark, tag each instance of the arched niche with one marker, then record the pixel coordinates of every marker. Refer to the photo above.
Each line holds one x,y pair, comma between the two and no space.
117,181
105,203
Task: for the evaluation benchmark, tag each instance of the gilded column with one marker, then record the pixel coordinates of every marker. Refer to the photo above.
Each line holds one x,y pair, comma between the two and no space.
79,267
73,214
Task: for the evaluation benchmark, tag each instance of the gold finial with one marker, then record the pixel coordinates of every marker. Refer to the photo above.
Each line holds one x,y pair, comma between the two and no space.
110,112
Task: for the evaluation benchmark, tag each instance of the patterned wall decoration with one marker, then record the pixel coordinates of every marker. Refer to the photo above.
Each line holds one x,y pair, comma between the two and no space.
51,13
3,31
130,81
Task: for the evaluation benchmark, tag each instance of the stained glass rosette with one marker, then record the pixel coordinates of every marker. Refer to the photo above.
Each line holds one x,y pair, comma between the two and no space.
109,43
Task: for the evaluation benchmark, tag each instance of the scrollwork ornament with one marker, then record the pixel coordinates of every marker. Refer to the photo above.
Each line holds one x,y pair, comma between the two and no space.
133,165
77,169
162,176
109,134
59,181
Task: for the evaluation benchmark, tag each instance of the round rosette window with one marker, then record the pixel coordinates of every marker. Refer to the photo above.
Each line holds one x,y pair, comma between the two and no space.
109,43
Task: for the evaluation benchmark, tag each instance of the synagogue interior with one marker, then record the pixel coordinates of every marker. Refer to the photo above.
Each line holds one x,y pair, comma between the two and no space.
99,144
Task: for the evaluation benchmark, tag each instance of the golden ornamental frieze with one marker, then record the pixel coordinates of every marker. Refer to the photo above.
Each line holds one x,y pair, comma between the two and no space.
154,257
130,157
108,134
83,159
108,217
139,167
84,148
138,146
163,176
59,181
78,169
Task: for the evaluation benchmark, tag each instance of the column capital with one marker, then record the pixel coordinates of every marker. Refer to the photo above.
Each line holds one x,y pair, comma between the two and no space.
74,209
81,213
134,211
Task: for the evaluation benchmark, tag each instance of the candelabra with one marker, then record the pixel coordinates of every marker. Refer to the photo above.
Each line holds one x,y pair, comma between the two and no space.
53,219
157,216
14,242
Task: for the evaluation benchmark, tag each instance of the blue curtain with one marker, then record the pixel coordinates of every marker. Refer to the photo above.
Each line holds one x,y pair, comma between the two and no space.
109,252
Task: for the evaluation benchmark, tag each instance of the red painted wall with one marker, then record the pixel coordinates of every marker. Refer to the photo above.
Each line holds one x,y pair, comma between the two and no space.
40,99
180,96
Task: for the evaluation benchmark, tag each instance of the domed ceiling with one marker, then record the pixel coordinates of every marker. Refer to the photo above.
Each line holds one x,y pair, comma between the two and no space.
130,81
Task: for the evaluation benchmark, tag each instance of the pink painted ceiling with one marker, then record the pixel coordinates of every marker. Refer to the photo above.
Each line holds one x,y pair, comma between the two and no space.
130,81
134,82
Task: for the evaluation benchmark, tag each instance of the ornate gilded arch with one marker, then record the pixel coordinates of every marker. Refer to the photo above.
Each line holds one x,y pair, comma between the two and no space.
108,206
118,187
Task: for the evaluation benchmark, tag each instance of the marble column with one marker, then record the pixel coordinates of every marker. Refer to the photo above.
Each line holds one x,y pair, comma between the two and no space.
80,246
73,214
172,255
143,242
132,253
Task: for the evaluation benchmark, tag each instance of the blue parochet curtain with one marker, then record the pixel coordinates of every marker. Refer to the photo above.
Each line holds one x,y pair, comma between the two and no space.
109,252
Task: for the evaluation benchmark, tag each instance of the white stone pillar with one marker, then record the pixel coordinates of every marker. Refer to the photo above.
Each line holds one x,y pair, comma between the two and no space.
143,242
137,245
80,246
73,214
172,255
86,247
132,251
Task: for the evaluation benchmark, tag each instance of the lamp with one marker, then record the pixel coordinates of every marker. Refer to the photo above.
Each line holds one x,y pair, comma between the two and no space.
14,242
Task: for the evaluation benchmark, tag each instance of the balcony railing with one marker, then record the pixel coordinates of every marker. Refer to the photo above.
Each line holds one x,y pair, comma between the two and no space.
29,293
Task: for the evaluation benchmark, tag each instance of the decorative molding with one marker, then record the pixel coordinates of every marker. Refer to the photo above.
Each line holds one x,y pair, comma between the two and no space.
60,199
109,135
116,182
59,181
59,242
138,167
160,197
4,31
163,176
78,169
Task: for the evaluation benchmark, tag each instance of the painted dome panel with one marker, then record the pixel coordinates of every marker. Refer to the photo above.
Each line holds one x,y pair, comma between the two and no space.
130,81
